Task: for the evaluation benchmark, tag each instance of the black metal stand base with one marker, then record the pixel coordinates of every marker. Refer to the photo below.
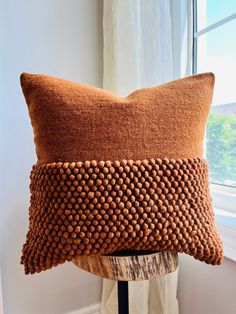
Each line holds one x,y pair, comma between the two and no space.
123,297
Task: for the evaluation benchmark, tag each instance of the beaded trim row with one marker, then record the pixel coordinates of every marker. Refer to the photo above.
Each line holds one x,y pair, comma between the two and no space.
91,208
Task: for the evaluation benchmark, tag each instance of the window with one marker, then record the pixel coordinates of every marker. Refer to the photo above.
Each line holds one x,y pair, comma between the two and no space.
215,51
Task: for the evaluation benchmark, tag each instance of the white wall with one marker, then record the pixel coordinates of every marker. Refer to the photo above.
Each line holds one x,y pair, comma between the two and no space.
1,300
205,289
61,38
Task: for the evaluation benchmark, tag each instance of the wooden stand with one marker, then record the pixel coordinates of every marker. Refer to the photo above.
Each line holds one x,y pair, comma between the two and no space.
127,265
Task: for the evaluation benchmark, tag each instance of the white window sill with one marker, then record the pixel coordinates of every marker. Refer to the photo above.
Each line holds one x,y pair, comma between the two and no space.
226,223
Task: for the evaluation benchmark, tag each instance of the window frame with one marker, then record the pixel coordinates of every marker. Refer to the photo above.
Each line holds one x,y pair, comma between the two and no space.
224,197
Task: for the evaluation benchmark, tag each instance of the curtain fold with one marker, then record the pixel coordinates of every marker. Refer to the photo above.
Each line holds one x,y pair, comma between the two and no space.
154,296
146,43
135,53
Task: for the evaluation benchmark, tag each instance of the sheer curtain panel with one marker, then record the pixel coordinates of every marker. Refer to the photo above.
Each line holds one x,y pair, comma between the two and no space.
146,43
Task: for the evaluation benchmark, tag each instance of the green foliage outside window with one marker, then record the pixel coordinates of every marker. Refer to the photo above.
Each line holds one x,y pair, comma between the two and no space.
221,147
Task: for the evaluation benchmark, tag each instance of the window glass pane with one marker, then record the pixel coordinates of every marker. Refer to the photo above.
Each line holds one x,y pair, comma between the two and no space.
217,54
211,11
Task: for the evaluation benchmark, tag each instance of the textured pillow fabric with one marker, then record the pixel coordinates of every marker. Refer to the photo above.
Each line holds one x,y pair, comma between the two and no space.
118,173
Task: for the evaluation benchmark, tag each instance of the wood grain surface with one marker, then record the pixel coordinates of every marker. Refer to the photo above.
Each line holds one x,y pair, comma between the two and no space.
132,266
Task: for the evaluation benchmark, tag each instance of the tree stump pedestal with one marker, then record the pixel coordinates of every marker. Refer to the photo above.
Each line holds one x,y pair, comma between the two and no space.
127,265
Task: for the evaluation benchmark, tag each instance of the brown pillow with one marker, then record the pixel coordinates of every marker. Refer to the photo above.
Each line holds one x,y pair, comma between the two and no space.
118,173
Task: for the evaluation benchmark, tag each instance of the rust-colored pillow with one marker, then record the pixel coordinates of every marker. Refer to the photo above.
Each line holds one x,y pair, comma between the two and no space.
118,173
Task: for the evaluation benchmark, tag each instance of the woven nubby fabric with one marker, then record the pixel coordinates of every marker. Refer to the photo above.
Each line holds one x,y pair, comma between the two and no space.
96,207
104,203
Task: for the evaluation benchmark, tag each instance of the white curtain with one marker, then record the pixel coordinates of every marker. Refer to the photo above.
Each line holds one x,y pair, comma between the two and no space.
146,43
154,296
